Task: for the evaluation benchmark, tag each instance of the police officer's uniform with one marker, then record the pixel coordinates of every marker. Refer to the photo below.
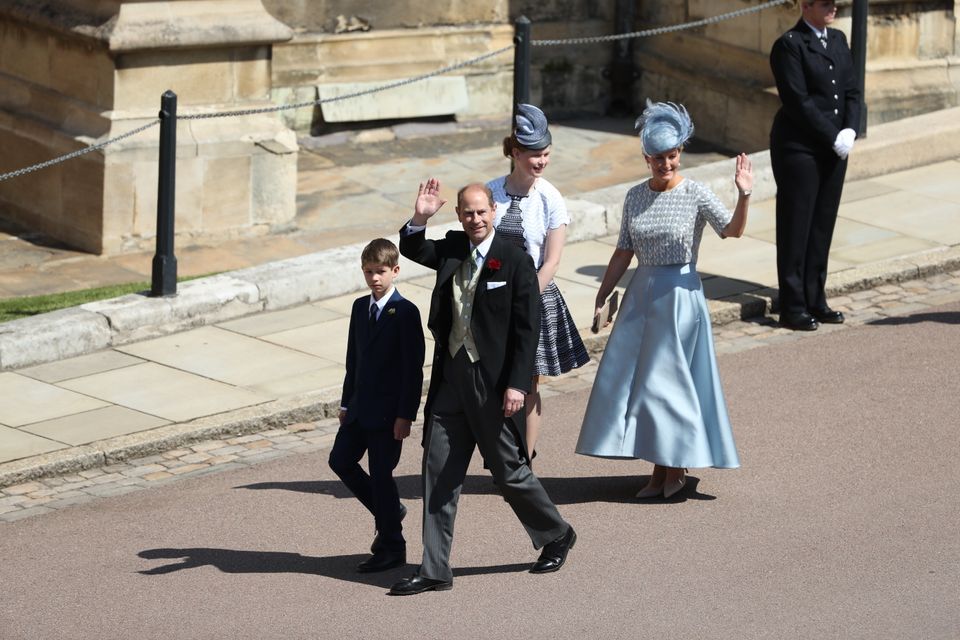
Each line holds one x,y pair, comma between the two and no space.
819,97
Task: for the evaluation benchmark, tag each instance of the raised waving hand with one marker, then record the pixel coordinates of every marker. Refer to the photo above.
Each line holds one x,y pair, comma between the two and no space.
428,202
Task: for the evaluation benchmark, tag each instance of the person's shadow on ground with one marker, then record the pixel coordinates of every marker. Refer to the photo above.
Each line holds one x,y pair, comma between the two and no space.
612,489
408,486
942,317
343,567
616,489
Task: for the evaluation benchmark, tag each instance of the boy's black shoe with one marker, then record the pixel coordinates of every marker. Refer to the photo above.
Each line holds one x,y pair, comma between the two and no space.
382,560
376,544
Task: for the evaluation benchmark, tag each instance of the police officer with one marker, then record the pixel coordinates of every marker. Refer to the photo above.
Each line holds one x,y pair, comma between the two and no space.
812,135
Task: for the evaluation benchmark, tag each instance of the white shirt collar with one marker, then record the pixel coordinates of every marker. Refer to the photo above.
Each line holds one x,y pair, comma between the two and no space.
382,302
817,32
483,247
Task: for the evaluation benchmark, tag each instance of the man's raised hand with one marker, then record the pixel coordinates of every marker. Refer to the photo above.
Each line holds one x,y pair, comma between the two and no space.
428,202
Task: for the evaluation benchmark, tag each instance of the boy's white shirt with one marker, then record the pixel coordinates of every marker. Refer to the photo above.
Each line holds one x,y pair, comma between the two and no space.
382,302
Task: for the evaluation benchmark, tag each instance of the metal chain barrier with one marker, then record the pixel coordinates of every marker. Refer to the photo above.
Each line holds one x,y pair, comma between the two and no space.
661,30
78,153
399,83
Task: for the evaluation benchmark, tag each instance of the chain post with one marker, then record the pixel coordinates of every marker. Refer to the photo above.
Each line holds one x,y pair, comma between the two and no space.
621,71
521,62
859,38
164,280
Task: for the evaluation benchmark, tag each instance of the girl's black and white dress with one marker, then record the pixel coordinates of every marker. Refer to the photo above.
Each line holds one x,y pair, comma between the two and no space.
526,220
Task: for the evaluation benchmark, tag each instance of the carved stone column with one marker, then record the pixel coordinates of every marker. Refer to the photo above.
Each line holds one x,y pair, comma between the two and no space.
77,72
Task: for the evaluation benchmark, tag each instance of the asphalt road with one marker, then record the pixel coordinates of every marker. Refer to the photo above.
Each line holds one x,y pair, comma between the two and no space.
842,523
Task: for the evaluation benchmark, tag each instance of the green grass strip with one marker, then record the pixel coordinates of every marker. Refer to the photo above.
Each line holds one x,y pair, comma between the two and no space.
14,308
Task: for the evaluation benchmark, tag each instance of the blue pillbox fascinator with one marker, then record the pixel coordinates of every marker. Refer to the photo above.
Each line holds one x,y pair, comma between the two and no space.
664,126
531,130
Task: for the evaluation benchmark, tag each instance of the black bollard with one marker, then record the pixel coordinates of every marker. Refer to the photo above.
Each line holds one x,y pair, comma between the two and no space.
164,281
521,62
621,71
859,38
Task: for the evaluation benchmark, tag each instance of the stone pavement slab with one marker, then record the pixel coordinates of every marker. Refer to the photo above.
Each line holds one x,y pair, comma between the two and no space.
27,400
98,424
744,259
80,366
16,444
164,392
307,383
219,354
936,181
326,340
270,322
851,234
887,249
916,215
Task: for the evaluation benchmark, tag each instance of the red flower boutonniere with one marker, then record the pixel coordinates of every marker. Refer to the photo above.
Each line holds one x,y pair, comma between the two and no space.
493,264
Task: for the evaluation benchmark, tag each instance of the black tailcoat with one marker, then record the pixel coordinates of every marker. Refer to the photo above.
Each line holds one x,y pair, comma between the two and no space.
505,319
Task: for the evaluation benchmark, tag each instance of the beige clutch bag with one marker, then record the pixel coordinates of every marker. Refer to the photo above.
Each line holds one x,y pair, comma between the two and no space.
607,311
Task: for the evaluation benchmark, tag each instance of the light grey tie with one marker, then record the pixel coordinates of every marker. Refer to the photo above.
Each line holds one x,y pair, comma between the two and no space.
823,40
474,258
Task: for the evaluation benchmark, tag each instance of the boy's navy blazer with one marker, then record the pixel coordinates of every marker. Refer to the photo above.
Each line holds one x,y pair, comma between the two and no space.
384,378
506,315
817,89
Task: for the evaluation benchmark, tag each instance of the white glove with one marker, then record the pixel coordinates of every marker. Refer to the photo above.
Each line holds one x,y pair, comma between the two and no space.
843,145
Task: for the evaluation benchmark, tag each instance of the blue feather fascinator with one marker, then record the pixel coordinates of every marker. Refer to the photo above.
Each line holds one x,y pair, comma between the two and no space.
664,126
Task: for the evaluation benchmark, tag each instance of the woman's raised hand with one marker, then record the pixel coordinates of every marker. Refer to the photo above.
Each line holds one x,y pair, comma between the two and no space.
428,201
744,174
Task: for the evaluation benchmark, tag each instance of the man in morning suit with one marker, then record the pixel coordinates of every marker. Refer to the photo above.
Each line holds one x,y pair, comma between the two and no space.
812,135
381,395
485,321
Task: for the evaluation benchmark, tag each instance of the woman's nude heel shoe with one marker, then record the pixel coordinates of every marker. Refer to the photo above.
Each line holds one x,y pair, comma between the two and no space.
670,488
650,492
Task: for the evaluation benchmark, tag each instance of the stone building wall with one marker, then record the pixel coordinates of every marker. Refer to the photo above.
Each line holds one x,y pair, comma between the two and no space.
321,16
722,71
347,45
77,72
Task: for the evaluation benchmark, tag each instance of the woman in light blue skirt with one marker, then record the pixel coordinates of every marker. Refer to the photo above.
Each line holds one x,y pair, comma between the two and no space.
657,393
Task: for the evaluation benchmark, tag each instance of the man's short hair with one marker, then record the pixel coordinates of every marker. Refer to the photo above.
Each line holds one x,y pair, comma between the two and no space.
380,252
476,185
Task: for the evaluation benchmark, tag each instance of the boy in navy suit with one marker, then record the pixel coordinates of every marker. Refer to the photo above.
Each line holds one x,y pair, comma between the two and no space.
381,396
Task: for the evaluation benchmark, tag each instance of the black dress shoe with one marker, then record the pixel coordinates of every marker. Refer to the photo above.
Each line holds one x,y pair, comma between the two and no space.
798,321
377,544
828,316
418,584
554,554
382,560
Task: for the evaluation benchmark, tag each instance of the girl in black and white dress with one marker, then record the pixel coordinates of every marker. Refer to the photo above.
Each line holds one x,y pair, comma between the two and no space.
531,212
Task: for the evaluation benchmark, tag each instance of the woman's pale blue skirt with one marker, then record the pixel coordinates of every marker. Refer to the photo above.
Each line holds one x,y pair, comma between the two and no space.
657,393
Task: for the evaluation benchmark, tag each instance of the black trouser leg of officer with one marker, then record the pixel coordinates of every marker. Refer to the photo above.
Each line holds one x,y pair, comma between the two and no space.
809,186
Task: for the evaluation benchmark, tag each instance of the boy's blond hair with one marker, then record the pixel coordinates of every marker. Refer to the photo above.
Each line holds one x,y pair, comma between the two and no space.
380,252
